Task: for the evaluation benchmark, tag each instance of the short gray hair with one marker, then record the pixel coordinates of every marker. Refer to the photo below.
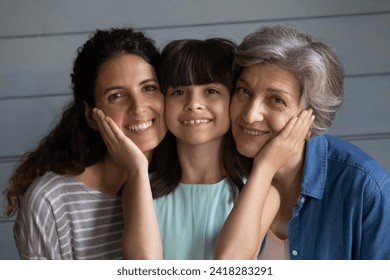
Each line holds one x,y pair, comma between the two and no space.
316,66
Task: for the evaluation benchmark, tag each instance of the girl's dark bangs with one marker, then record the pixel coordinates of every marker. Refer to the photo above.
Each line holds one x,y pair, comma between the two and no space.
196,64
196,69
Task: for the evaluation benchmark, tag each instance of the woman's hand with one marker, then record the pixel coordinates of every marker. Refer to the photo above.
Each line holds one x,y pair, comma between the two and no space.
290,141
121,148
141,236
258,202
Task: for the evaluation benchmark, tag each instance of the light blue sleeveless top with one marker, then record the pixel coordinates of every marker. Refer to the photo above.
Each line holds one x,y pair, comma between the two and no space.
191,217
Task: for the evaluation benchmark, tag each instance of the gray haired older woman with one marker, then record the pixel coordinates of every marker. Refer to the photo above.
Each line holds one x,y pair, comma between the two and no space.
334,198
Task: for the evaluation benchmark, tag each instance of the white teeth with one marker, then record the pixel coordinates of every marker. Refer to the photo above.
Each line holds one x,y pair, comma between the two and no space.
196,121
253,132
141,126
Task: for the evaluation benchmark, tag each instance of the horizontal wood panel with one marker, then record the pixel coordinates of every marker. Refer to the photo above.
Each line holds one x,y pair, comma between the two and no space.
25,121
7,244
365,108
5,172
37,66
41,65
40,17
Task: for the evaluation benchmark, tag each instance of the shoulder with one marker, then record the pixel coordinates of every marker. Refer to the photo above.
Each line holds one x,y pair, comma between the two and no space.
349,156
45,189
334,162
338,153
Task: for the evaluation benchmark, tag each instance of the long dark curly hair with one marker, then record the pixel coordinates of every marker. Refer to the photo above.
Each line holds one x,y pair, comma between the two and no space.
72,145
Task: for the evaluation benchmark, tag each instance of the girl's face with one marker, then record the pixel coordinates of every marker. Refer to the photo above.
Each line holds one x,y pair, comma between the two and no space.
266,98
197,114
127,91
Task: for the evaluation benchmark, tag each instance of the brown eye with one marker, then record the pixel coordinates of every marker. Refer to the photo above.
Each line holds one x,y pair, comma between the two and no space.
241,90
151,88
179,92
212,91
115,96
278,100
242,93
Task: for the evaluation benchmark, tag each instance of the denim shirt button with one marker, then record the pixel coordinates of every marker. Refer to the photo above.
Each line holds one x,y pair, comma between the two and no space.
303,199
294,253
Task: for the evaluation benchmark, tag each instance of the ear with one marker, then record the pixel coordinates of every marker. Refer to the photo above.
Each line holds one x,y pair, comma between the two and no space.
89,116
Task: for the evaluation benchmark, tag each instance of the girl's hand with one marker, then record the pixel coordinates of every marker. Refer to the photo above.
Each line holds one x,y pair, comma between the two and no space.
290,141
121,148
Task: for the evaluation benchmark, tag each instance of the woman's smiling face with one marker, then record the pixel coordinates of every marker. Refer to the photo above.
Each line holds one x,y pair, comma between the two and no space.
127,91
265,99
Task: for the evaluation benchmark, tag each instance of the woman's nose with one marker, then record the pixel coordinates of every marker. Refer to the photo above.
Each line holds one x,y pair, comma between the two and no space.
136,105
254,112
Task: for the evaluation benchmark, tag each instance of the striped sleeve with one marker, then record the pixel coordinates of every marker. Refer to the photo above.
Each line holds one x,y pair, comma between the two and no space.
35,228
62,218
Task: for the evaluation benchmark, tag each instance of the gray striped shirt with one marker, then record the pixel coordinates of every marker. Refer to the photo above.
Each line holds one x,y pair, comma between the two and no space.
62,218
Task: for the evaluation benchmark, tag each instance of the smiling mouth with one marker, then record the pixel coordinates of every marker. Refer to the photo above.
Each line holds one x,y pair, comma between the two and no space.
252,132
199,121
141,126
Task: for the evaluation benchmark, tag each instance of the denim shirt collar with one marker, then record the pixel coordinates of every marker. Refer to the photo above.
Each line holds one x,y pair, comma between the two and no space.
315,169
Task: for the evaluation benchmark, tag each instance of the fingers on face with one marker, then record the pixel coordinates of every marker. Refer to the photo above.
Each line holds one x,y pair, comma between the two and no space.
305,120
297,128
114,129
104,128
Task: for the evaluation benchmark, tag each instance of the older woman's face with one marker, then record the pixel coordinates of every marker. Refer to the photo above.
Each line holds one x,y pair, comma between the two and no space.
266,98
127,90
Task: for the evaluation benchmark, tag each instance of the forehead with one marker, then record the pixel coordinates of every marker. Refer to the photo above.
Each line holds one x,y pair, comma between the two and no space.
127,62
124,69
270,77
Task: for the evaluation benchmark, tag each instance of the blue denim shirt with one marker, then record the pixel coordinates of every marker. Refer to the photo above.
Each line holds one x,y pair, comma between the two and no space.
343,211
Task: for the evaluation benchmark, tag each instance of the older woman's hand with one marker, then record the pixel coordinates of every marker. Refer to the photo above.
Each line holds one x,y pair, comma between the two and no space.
290,141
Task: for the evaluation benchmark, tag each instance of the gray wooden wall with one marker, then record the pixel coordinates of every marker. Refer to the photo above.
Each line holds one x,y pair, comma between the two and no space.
38,40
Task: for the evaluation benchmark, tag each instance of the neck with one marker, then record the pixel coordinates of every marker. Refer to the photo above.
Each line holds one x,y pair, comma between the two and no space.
201,163
105,176
148,155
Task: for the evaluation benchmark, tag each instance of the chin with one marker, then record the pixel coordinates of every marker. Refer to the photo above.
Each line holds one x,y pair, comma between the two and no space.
147,147
247,152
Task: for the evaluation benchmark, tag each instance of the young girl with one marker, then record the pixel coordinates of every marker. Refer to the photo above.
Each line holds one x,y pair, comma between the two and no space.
67,190
200,173
196,183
